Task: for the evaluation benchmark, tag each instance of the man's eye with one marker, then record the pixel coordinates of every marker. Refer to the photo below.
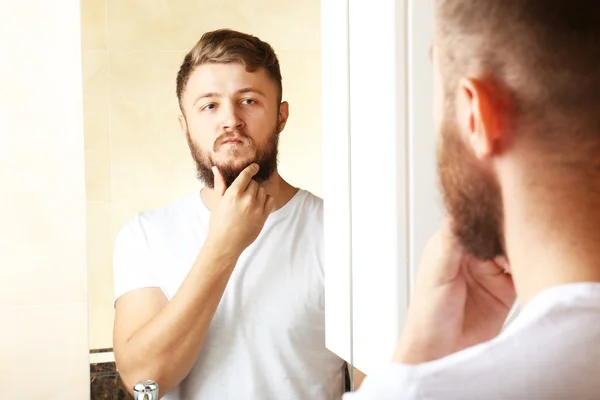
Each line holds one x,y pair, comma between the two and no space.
249,101
210,106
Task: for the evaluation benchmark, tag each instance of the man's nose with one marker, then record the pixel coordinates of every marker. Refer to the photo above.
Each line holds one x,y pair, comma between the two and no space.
231,119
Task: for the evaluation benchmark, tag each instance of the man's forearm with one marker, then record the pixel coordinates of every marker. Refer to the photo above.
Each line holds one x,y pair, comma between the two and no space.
166,348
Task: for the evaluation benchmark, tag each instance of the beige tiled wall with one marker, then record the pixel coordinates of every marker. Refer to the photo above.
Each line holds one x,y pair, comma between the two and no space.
43,280
136,157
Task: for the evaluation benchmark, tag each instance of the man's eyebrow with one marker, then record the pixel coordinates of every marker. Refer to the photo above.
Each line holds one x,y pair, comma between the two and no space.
239,91
205,95
250,90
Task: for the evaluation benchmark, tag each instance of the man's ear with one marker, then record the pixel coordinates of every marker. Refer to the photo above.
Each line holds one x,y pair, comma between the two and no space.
478,115
284,113
183,124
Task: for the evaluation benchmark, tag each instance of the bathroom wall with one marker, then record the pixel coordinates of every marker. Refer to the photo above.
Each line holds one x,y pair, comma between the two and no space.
43,280
136,157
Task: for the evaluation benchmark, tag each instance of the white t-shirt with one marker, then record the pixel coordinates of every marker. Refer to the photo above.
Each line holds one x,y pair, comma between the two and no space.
267,337
551,351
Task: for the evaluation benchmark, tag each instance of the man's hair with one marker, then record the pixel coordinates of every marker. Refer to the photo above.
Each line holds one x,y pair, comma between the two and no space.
225,46
545,54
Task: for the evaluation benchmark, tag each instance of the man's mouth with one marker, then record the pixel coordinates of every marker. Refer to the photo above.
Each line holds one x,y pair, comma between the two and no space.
233,141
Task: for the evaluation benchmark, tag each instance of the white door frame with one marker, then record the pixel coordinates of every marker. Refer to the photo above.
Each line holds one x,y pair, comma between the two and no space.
379,169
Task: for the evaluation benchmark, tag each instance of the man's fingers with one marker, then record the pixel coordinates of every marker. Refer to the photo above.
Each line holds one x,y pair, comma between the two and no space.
241,182
261,195
252,189
219,185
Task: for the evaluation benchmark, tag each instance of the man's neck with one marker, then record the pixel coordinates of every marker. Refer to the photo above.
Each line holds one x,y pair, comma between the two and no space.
552,235
275,186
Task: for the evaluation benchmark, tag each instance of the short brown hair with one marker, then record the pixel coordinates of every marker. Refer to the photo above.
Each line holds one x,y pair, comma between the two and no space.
229,46
544,53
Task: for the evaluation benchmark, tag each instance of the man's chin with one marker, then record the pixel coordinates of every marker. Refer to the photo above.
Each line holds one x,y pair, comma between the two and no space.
233,168
231,171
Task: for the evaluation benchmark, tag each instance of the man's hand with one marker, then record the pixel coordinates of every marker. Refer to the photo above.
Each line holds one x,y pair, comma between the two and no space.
240,211
458,302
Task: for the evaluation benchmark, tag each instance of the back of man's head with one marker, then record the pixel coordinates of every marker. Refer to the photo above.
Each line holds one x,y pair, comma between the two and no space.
545,55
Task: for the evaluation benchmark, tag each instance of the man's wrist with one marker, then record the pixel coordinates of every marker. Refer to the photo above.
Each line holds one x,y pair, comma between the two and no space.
220,252
406,353
414,350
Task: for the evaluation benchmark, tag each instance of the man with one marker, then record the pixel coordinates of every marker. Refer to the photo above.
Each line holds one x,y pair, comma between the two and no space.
518,106
220,294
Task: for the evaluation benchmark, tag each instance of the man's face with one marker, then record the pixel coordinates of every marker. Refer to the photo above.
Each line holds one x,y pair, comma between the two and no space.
232,119
471,192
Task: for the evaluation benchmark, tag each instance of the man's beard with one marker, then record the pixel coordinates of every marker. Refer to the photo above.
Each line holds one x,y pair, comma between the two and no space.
472,196
266,157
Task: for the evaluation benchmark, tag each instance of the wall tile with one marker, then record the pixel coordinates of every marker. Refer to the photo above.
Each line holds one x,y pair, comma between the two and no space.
93,24
171,24
288,25
150,157
99,256
100,245
300,144
96,124
62,347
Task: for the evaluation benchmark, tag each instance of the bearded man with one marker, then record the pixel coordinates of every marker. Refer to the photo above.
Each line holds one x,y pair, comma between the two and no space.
517,101
220,295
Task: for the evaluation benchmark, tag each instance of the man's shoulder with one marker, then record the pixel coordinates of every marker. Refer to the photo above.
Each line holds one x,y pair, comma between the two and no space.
143,223
309,206
311,194
312,200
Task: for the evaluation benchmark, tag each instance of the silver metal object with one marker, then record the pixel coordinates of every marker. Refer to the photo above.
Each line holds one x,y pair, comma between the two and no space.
145,390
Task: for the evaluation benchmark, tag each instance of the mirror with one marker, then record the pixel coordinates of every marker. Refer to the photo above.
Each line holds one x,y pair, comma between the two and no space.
137,158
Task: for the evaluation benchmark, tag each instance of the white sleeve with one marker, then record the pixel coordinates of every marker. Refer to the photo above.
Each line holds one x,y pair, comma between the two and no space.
395,382
132,260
